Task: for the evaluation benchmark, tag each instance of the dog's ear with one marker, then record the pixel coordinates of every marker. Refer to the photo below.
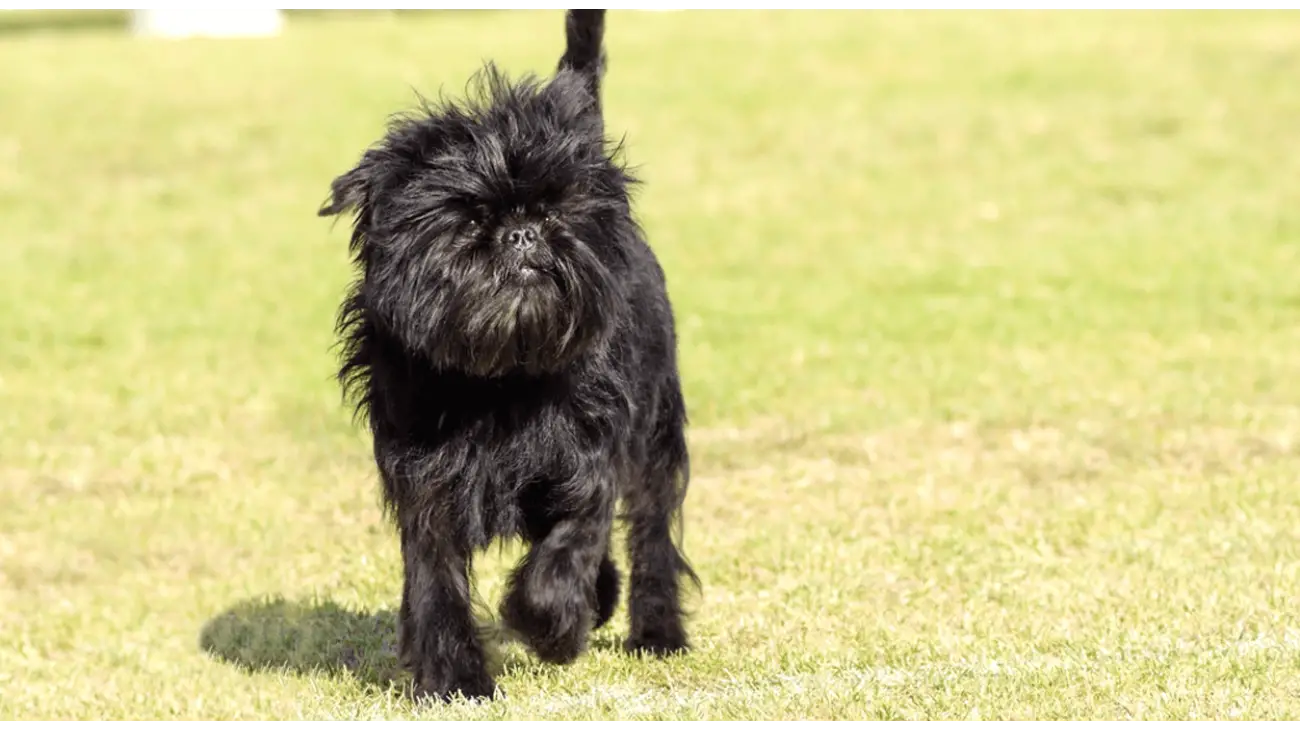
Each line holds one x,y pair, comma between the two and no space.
352,190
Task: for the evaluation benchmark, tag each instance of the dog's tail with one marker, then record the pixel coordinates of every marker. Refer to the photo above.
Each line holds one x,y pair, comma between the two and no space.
584,52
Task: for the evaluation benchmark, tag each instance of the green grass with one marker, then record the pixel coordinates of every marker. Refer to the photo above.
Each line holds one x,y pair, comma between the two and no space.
988,327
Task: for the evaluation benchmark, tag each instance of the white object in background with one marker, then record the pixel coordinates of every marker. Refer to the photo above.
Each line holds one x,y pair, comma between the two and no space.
186,22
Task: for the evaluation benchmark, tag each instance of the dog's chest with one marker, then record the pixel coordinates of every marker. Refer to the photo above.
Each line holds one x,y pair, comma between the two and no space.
498,461
486,449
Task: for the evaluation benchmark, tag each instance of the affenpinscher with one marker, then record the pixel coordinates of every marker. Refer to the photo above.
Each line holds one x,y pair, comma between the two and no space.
511,341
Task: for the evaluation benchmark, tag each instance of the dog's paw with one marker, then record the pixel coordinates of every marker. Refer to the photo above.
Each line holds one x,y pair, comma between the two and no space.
556,632
659,642
480,688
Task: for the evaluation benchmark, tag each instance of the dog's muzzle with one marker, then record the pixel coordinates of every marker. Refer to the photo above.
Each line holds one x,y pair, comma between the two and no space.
525,248
522,238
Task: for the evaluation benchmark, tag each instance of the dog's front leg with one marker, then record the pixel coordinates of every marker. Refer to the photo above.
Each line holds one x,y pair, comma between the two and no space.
438,638
553,601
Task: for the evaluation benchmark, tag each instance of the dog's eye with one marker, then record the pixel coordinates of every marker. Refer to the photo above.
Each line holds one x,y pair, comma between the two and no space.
552,216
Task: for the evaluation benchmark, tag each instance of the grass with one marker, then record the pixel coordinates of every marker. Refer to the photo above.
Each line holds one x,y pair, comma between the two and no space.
988,328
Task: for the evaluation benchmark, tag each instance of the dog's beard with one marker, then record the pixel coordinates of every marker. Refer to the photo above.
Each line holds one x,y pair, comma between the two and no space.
478,309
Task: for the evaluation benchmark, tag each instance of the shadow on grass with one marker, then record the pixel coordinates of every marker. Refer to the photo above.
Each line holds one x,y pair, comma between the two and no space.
321,637
307,637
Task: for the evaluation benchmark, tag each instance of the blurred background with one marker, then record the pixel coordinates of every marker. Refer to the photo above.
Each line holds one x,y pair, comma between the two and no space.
987,323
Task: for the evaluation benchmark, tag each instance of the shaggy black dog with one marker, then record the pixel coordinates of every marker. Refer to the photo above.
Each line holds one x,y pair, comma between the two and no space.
511,341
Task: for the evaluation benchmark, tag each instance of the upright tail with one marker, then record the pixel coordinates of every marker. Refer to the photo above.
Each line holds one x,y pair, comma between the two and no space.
584,53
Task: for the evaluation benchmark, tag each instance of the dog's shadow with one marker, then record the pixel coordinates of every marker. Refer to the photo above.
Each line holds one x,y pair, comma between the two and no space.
315,637
322,637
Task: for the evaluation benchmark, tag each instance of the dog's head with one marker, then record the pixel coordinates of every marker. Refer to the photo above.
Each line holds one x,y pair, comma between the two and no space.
492,234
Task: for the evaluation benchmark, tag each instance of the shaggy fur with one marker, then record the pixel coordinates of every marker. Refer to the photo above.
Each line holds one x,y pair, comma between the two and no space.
510,340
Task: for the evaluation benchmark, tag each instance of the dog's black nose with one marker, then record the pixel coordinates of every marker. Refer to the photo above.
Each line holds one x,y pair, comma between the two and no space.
522,237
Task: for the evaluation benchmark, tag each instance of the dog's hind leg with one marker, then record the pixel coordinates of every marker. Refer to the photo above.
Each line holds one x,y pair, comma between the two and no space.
654,601
557,593
607,585
437,636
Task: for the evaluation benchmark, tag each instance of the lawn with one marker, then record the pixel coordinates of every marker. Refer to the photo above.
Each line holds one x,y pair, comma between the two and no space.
988,326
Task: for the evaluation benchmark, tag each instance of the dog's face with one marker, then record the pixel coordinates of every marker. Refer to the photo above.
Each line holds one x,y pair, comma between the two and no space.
491,234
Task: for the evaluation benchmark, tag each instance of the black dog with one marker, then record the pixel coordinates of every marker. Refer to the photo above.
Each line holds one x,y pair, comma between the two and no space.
511,340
